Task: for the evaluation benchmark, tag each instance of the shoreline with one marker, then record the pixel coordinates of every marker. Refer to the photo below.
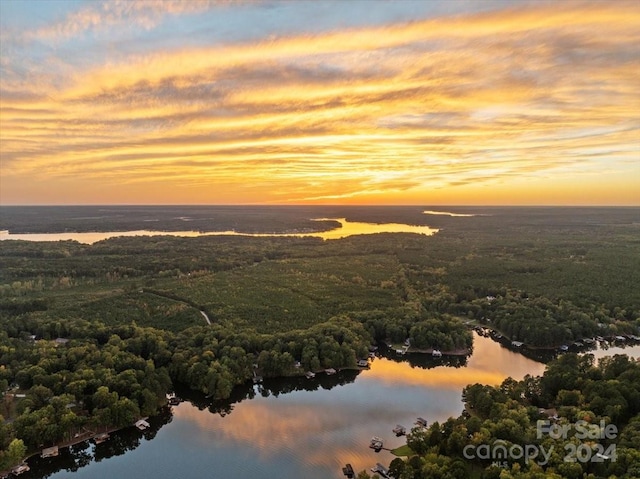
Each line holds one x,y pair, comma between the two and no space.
429,351
87,436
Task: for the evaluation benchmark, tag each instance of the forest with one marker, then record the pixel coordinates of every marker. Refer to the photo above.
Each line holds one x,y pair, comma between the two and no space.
596,404
95,336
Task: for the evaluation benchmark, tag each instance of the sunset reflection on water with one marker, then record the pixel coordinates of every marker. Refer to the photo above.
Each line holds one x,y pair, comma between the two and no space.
319,431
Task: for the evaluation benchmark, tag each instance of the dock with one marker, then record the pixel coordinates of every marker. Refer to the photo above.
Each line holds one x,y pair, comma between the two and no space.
142,424
50,452
16,471
376,443
380,469
100,438
347,470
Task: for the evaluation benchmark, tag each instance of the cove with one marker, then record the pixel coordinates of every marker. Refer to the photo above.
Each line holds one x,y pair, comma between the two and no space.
292,428
295,427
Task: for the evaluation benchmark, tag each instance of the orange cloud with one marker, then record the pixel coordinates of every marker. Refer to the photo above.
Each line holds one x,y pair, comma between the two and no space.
483,107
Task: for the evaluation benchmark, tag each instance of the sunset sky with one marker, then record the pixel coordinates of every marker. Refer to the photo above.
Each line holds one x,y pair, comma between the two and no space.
300,102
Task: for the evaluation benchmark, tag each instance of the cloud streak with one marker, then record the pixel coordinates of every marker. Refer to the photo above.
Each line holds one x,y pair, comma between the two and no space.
394,111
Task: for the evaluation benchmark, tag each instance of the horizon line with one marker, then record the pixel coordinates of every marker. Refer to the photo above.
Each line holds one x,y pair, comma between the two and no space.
281,205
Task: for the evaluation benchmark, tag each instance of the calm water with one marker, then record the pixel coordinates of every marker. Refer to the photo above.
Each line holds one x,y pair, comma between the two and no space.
295,428
349,228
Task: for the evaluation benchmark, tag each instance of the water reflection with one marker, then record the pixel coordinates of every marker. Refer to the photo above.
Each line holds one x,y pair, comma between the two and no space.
90,237
601,349
271,387
85,454
445,213
350,228
297,427
347,228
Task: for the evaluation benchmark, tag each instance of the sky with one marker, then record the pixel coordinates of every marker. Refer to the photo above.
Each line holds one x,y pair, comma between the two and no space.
429,102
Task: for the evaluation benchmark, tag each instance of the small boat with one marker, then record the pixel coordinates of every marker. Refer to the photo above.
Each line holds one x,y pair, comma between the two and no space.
436,353
310,375
330,371
399,430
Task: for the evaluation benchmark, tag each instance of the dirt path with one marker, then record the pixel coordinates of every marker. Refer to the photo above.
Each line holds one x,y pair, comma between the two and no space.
205,317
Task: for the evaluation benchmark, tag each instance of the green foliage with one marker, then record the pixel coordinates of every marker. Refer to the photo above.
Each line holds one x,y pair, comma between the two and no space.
605,392
13,454
131,310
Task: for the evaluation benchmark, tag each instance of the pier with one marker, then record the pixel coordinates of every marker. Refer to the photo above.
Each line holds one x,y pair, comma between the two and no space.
347,470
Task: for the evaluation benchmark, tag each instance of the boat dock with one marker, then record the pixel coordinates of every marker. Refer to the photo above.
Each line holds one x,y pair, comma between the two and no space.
422,422
50,452
347,470
16,471
380,469
142,424
376,443
100,438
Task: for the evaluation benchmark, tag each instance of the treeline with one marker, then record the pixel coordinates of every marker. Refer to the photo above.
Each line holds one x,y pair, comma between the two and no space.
535,320
540,276
424,330
505,418
109,376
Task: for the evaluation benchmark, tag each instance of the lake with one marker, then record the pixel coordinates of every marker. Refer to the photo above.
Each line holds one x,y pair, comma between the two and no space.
294,428
348,228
